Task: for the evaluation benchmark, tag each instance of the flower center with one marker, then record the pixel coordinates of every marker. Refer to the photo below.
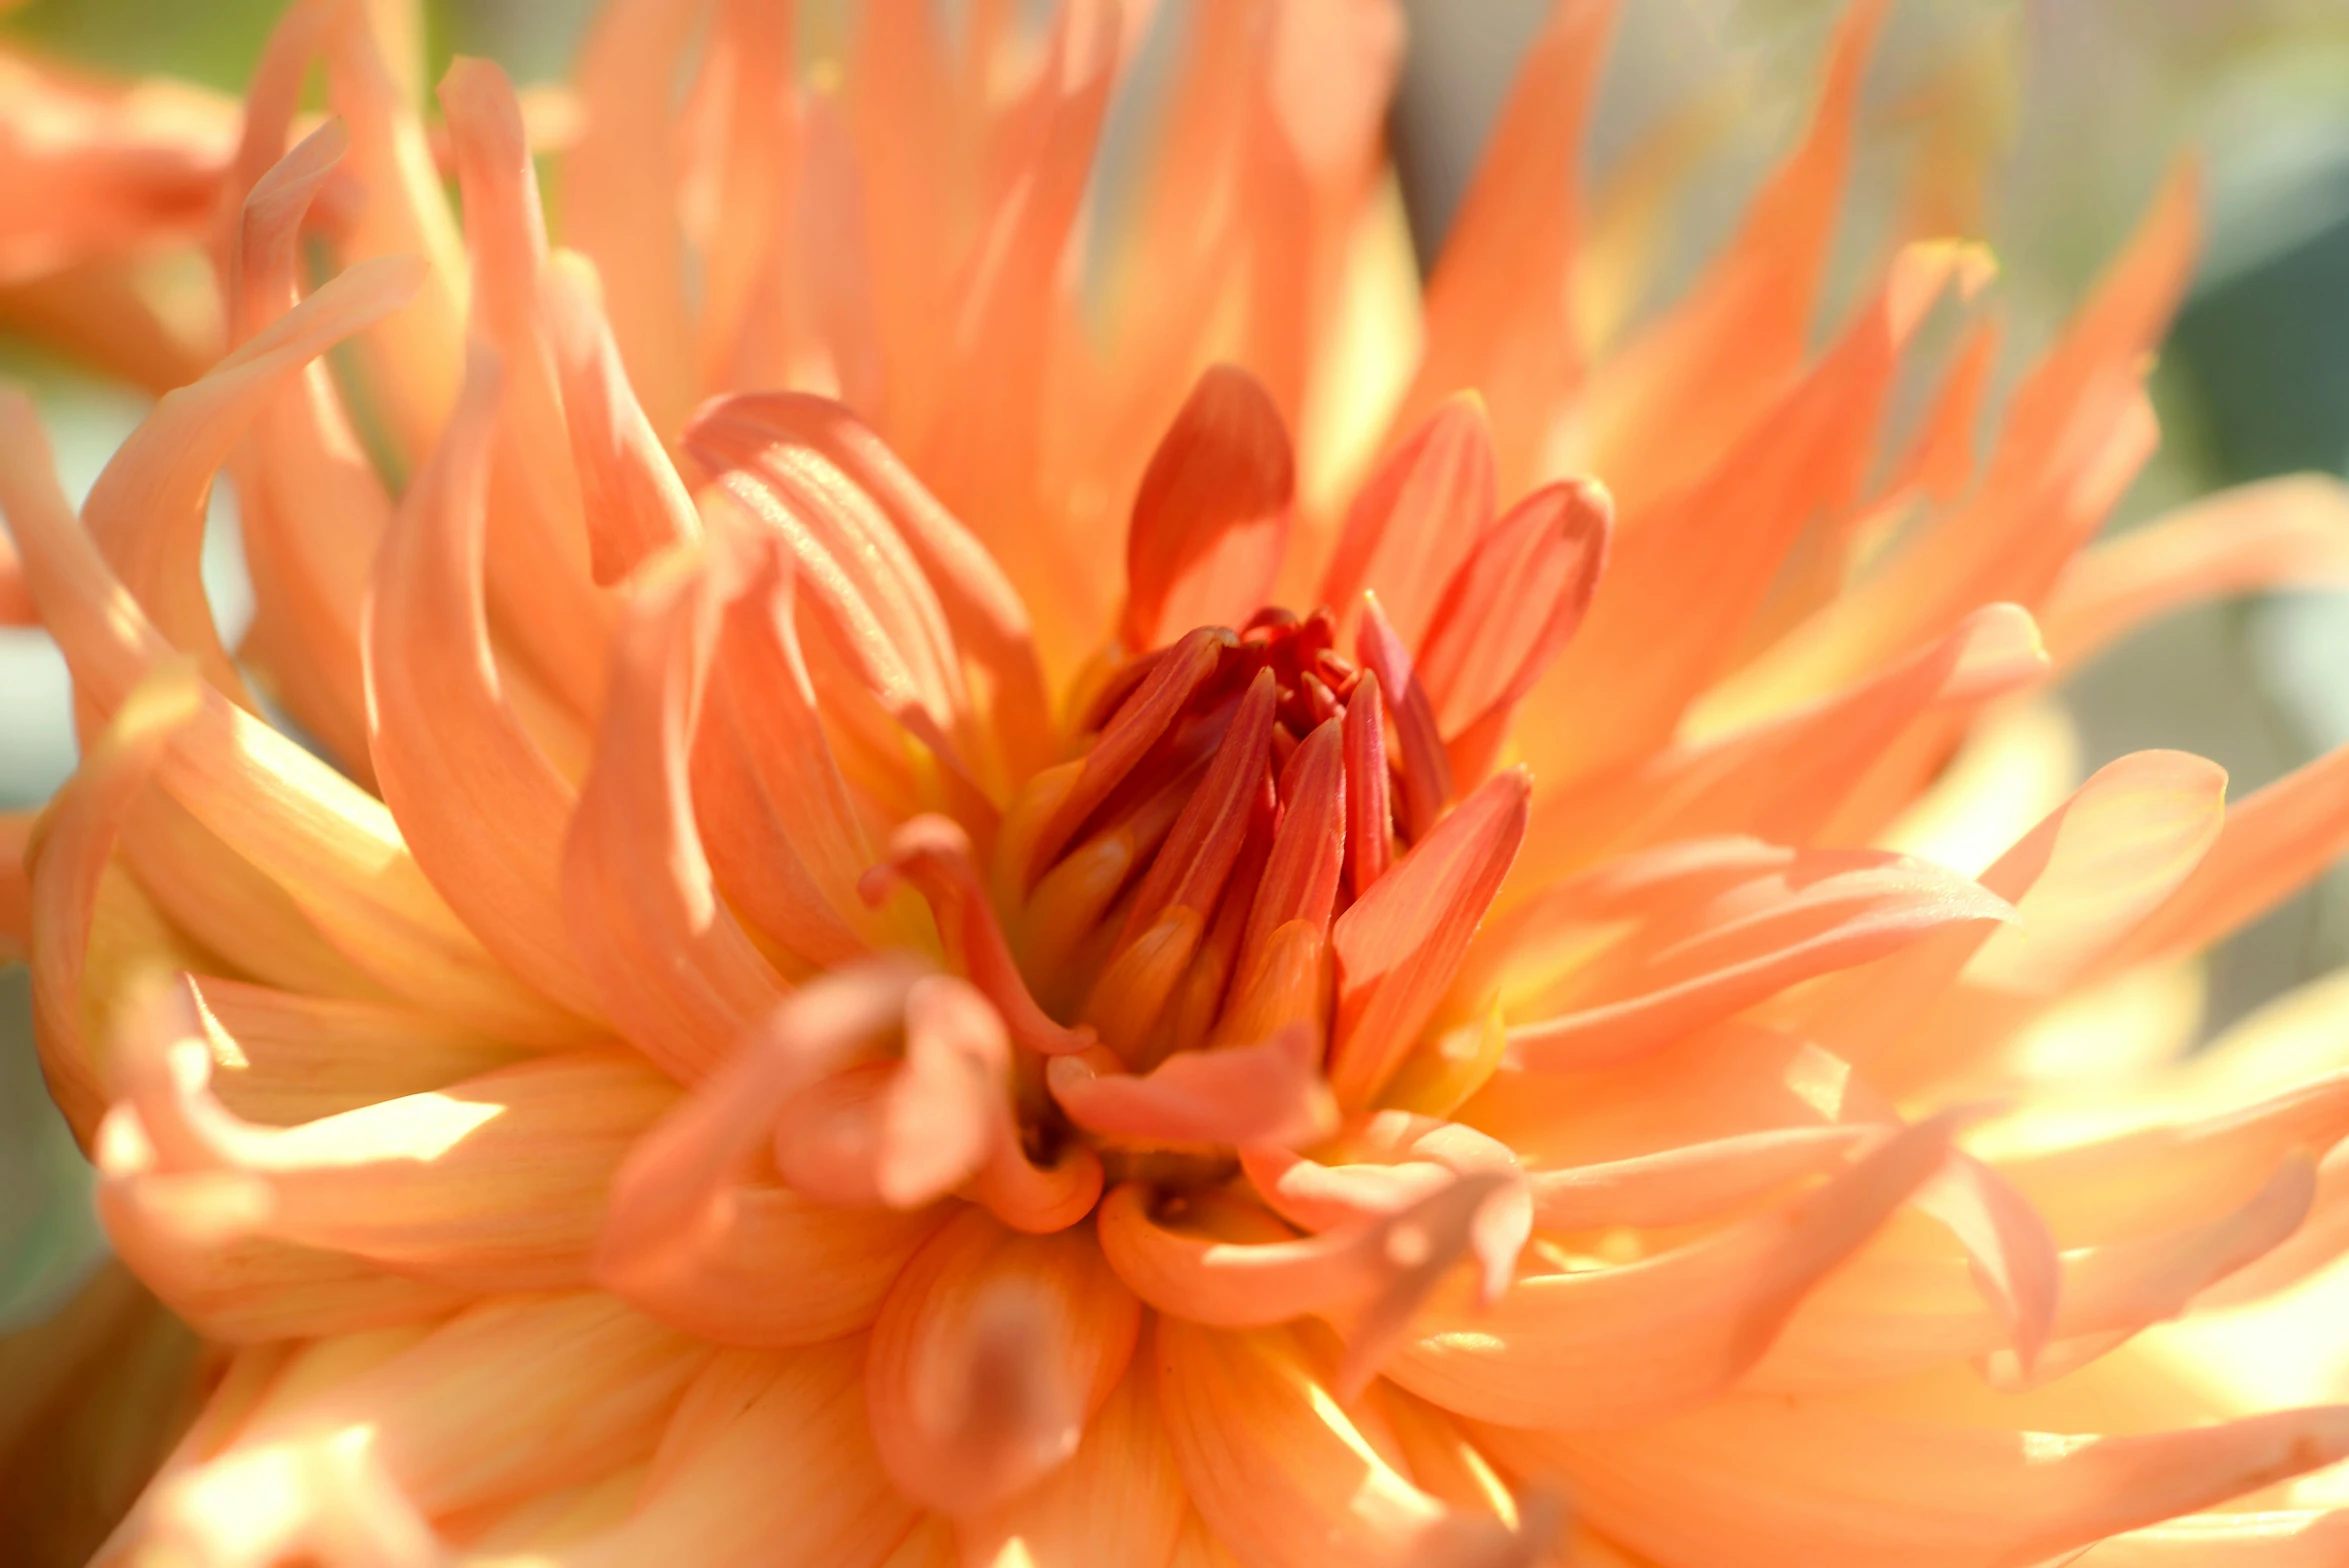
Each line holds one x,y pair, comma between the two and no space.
1161,871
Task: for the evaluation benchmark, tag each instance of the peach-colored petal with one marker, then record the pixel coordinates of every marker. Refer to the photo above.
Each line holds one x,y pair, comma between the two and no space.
1282,1474
2273,1538
1398,948
1423,766
693,1241
478,803
2273,840
2277,533
1497,317
1117,1502
1714,926
1415,520
281,1058
1510,611
1263,1092
673,966
1782,778
494,1183
64,868
1693,383
991,1355
1211,519
1805,1481
1892,1311
1688,1182
1631,1342
783,1471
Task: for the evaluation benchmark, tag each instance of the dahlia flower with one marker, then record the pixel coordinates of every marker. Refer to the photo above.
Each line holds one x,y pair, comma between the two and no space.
919,862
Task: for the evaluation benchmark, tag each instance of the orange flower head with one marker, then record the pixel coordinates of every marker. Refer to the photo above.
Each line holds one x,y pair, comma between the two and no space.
922,857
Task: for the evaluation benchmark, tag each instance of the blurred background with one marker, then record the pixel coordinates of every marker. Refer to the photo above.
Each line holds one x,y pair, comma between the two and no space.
2078,106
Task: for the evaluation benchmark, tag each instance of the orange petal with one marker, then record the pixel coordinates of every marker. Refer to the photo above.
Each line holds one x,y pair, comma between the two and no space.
1814,1483
479,805
1117,1503
934,854
1425,769
634,504
692,1241
783,1471
983,611
1416,519
1783,777
1211,519
1497,317
1398,948
1675,400
2277,533
1190,869
2008,1244
1370,821
1714,927
1514,606
991,1355
1632,1342
674,968
495,1183
2273,841
1268,1092
1680,1185
1281,1473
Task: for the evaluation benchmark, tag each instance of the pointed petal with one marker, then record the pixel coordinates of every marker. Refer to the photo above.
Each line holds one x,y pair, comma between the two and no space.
1713,928
1211,520
1398,948
1416,519
1426,770
1811,1482
1370,820
1633,1342
674,968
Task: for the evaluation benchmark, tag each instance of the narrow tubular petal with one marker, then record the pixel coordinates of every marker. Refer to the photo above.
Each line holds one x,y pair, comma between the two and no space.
478,804
1370,820
934,854
2008,1244
146,511
1692,1182
634,504
1419,746
1715,927
1632,1342
852,562
983,611
274,821
1200,850
1267,1092
674,968
691,1239
1399,946
1300,881
1211,519
1130,734
64,868
2277,533
2272,1538
1514,605
990,1357
1117,1503
1806,1481
1282,1473
784,1471
1416,519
